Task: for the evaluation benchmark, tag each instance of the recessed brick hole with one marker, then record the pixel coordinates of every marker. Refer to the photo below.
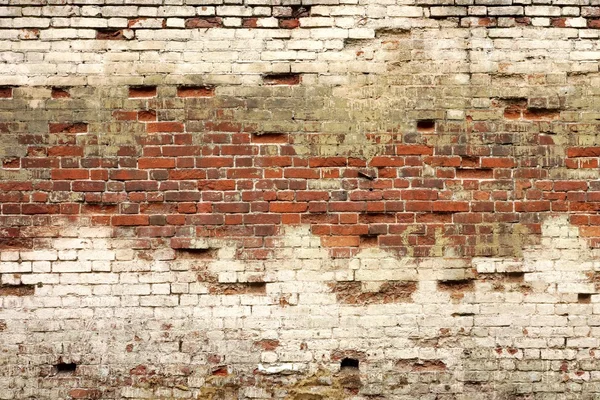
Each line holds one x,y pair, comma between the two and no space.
416,365
289,23
17,290
282,79
467,173
60,93
515,277
461,285
203,22
6,92
195,91
349,364
220,371
270,138
426,125
255,288
110,34
537,114
368,241
65,368
389,292
76,127
142,91
196,254
584,298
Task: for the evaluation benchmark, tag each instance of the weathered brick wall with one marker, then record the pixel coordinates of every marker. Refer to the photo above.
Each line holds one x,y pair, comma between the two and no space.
228,199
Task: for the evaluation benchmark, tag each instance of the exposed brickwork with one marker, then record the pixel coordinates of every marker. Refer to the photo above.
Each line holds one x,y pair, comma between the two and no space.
299,200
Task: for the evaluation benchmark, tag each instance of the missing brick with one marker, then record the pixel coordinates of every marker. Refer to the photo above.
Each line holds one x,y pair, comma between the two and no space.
289,79
196,254
221,370
461,285
239,288
6,92
195,91
541,114
397,33
112,34
60,93
299,11
142,91
426,125
368,241
584,298
349,363
17,290
63,368
416,365
388,292
270,138
192,23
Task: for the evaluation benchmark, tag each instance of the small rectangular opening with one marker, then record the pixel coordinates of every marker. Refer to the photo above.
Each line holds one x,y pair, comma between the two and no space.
17,290
584,298
426,125
142,91
110,34
349,364
65,368
282,79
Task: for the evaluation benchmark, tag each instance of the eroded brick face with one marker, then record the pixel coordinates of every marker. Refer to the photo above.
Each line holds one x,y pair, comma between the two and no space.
299,201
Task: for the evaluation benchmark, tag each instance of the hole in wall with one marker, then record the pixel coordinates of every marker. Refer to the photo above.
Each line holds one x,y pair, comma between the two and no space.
196,254
110,34
65,368
142,91
282,79
17,290
60,93
426,125
195,91
584,298
349,364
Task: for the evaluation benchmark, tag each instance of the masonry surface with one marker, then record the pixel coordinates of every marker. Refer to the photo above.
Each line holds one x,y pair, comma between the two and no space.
299,199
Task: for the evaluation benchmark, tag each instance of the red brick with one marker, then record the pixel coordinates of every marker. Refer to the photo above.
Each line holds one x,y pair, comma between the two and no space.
121,115
149,163
70,174
157,127
88,186
496,162
340,241
40,209
565,186
387,161
286,207
129,220
583,152
146,115
65,151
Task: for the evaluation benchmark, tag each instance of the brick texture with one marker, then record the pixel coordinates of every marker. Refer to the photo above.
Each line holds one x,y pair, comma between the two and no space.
299,200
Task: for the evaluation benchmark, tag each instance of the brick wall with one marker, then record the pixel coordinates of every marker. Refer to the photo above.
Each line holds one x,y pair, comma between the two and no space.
300,200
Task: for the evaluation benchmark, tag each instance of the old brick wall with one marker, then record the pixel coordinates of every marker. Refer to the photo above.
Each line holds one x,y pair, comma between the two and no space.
299,199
